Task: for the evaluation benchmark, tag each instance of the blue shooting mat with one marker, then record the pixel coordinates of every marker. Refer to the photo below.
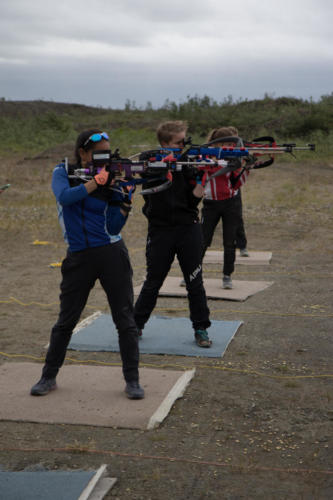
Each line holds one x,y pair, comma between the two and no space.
53,485
161,335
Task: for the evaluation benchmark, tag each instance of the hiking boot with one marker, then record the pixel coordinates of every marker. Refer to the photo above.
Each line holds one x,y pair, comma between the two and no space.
243,252
202,339
43,386
182,283
134,390
227,282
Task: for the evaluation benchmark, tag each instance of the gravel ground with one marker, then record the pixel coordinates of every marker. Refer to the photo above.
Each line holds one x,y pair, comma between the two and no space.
256,424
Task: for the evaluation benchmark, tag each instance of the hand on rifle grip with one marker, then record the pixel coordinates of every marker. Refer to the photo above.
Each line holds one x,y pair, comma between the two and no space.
198,191
103,178
169,158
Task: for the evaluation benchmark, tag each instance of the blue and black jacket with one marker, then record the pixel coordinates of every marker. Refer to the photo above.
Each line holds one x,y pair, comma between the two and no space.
86,220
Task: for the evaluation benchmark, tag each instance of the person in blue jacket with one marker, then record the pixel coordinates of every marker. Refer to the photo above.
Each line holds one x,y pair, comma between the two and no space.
91,215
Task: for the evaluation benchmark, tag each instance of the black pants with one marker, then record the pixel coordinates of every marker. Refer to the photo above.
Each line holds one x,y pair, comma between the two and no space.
111,265
163,244
241,241
229,211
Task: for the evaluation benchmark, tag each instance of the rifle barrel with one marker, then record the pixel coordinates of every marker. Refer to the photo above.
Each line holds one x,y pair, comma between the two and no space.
280,149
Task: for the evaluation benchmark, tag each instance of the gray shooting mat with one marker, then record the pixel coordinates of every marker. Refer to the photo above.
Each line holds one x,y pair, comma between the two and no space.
55,485
254,258
241,290
89,395
161,335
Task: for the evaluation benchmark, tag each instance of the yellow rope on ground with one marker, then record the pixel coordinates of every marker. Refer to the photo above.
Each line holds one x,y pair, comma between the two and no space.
38,242
273,273
178,366
269,313
182,309
25,304
243,273
13,300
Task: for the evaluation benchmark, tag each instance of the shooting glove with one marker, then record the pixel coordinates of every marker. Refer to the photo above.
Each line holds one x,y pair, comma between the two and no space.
103,178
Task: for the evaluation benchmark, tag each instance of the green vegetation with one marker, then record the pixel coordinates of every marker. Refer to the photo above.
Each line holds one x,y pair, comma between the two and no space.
32,127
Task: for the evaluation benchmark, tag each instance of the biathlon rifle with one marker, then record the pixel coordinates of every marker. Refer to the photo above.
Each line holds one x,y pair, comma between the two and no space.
260,146
196,160
157,166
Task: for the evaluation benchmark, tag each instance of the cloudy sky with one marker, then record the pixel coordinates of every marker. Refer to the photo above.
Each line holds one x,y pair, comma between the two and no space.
105,52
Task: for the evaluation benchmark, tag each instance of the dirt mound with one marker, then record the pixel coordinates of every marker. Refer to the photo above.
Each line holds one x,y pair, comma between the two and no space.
19,109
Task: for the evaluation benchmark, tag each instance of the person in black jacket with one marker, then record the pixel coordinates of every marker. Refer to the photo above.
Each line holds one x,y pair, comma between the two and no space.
174,230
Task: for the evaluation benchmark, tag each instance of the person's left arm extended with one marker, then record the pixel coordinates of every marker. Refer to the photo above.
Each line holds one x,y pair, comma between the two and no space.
195,196
117,214
239,177
64,193
195,189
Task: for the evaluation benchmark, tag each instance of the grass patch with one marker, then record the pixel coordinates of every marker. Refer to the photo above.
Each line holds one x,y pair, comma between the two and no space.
37,125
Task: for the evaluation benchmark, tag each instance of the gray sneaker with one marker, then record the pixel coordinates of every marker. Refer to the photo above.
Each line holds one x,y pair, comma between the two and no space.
43,387
243,252
134,390
182,283
227,282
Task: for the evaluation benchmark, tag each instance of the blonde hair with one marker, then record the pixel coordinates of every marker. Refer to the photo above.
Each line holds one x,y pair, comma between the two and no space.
166,130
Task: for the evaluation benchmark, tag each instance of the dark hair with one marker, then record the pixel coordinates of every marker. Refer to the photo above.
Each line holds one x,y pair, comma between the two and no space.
81,139
216,133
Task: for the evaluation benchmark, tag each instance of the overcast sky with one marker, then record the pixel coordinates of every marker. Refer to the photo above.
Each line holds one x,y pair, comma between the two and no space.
105,52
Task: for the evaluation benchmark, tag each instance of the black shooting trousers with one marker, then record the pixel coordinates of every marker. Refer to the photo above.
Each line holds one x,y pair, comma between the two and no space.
80,270
230,211
241,240
163,244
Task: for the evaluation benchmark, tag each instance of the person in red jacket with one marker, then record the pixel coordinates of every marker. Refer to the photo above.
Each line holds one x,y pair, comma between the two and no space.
222,201
241,239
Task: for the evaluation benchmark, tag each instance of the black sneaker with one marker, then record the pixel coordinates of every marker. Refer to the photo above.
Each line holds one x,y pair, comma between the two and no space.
134,390
43,386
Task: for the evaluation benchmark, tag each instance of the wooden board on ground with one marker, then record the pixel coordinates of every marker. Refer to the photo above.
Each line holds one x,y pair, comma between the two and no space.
90,395
241,289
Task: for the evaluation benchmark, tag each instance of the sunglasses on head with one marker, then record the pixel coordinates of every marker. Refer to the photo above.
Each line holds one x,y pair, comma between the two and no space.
96,138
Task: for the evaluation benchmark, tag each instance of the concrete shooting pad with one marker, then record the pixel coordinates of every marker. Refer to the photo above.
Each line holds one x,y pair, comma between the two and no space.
161,335
254,258
55,485
89,395
241,290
